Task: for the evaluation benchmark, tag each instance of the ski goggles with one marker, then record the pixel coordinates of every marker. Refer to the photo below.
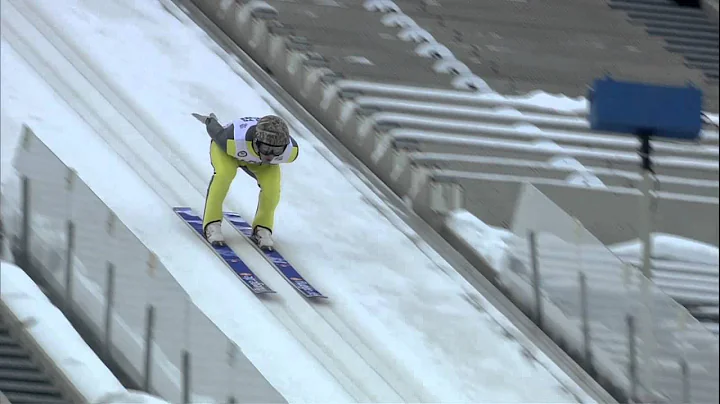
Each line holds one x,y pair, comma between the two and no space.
265,149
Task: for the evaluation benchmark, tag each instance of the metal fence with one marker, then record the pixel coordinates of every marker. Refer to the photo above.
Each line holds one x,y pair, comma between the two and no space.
616,322
73,244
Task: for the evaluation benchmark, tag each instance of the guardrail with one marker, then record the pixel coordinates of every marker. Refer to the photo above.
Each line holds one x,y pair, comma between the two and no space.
74,246
618,324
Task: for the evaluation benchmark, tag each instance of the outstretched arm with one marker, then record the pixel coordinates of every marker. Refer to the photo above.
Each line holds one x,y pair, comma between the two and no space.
217,132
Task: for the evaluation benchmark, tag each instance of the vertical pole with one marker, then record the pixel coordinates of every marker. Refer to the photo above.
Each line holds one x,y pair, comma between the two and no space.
685,370
585,322
185,377
149,326
25,236
536,280
647,201
646,214
632,359
648,333
69,258
232,374
109,303
109,292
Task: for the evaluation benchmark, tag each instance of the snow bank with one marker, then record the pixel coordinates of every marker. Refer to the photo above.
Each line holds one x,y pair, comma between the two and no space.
56,335
10,132
489,242
712,118
555,102
670,247
49,327
9,138
131,397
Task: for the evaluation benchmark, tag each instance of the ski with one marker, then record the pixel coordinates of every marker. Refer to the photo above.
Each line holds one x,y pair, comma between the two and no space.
226,253
275,258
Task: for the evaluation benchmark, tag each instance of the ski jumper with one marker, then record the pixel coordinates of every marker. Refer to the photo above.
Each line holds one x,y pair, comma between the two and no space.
232,148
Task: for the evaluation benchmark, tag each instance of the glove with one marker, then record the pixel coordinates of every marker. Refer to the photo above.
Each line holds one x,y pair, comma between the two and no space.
204,118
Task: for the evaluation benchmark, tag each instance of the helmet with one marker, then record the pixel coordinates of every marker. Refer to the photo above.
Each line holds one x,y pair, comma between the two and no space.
271,137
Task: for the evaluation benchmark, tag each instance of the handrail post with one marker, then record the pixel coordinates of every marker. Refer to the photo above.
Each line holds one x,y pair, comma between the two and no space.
149,327
536,280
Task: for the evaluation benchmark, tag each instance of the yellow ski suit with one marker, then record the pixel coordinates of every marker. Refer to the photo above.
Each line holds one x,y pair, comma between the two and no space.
232,148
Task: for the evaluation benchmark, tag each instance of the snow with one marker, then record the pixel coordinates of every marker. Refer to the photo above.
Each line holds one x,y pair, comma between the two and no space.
9,138
567,162
131,397
384,286
57,337
713,118
557,102
415,34
490,242
380,5
671,247
585,179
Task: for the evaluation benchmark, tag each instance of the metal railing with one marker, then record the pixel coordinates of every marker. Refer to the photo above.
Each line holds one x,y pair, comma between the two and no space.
615,321
71,243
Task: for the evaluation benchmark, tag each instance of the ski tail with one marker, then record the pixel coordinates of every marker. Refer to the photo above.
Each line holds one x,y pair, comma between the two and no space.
285,268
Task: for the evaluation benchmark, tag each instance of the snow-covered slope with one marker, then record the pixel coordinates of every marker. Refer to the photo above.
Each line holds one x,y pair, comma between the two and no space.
400,323
210,284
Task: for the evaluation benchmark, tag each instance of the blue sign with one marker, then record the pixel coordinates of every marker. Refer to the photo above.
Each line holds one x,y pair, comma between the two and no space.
638,108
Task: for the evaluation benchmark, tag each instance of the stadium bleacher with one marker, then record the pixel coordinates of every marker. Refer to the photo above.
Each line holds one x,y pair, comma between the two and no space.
689,29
